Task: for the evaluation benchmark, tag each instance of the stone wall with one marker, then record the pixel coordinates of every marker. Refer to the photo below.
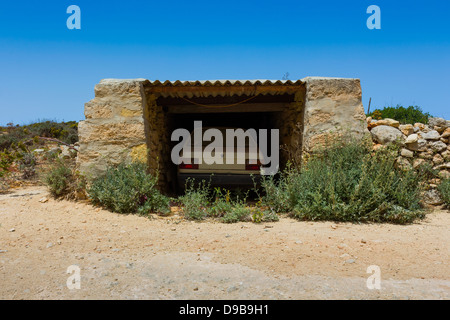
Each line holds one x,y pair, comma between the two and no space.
332,105
420,144
114,126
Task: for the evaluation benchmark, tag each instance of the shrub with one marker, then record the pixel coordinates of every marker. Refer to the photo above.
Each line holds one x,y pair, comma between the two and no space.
409,115
195,200
27,165
444,189
128,188
346,182
239,212
64,182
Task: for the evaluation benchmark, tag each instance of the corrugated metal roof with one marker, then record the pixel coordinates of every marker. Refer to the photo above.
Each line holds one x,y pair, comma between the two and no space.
211,83
213,88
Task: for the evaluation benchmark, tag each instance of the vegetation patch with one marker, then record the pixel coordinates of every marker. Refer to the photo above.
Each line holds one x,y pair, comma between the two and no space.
444,189
349,182
128,188
409,115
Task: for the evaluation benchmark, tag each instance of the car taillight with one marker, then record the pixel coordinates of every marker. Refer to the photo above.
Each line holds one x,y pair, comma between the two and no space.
254,167
191,165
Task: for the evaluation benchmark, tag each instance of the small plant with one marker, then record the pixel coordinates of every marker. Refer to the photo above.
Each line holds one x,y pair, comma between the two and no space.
128,188
444,189
27,165
239,212
409,115
63,182
195,201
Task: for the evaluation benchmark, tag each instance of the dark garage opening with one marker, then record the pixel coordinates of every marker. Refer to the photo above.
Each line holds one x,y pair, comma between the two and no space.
261,112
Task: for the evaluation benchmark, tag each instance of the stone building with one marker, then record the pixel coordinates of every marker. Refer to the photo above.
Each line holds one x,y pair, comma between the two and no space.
133,119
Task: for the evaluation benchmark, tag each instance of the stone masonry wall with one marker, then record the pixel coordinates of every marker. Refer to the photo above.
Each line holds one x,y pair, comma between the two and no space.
114,126
421,144
332,105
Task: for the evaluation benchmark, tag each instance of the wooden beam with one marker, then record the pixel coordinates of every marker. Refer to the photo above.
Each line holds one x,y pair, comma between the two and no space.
217,108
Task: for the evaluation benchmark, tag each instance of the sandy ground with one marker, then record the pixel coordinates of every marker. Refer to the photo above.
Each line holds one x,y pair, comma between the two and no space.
132,257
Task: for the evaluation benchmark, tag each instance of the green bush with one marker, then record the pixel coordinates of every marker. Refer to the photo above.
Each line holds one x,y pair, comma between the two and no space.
128,188
409,115
347,182
239,212
27,165
195,201
444,189
26,134
63,182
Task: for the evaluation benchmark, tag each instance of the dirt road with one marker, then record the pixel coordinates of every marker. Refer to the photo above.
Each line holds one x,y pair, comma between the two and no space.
132,257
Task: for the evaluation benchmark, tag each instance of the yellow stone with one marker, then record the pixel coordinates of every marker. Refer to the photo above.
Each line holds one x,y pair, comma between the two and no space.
139,153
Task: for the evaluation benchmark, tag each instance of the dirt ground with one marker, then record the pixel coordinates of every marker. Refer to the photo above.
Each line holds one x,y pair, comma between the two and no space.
132,257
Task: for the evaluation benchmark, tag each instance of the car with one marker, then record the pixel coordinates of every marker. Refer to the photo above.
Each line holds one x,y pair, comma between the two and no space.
245,174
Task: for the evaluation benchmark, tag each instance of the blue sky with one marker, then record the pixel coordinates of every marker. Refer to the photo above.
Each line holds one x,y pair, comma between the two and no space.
48,71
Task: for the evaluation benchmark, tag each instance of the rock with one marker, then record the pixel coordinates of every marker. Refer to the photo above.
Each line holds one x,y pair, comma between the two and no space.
49,245
444,174
444,140
432,197
388,122
412,138
38,150
3,251
349,261
438,159
420,145
440,122
446,155
442,166
426,155
406,129
416,129
369,119
438,146
12,230
439,129
406,153
419,125
431,135
67,153
418,163
403,163
446,133
43,200
377,146
385,134
384,122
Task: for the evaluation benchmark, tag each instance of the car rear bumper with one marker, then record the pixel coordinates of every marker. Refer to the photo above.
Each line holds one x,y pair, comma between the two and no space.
221,179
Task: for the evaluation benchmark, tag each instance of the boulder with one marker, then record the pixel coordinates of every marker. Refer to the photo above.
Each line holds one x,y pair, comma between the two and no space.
438,159
412,138
431,135
446,133
403,163
406,129
386,134
407,153
444,174
418,163
446,155
435,121
432,197
384,122
419,145
437,146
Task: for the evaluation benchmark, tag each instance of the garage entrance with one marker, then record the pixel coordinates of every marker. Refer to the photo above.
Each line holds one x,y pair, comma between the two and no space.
132,119
219,107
